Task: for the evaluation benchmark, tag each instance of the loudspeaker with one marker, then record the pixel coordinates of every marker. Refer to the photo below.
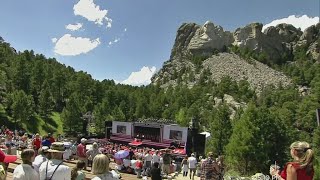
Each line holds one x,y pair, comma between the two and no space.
108,124
189,143
108,132
200,144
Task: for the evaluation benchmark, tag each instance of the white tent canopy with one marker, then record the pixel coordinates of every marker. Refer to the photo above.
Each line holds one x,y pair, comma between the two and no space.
207,134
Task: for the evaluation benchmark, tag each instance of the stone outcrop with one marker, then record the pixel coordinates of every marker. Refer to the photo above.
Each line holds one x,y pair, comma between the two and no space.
193,40
257,74
311,39
184,35
231,102
208,38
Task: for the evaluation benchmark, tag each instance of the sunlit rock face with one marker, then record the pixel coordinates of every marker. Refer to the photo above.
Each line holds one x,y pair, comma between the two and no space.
209,38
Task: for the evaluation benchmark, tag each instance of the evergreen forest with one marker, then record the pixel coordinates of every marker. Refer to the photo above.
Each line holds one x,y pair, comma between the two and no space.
39,94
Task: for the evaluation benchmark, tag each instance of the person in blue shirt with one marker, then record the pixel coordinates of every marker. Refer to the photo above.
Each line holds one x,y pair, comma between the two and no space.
46,141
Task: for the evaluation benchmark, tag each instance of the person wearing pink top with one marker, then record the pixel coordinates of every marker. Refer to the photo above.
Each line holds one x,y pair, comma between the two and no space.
81,152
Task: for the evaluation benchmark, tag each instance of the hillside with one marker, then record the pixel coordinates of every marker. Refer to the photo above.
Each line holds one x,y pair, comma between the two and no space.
198,48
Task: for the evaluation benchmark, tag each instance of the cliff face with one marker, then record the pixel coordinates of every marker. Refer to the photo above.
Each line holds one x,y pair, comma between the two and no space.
206,41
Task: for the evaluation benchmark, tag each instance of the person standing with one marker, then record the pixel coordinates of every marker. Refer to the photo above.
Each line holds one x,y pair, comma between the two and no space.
81,152
54,168
210,168
92,152
51,138
36,143
192,162
147,162
46,141
25,170
166,162
138,167
156,172
302,165
184,165
41,157
156,158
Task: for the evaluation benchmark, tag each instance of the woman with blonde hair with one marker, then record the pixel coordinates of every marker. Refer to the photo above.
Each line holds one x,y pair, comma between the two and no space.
100,168
301,168
25,170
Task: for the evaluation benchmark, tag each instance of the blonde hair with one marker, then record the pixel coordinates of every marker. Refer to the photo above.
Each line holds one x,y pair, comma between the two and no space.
100,164
26,156
95,145
304,154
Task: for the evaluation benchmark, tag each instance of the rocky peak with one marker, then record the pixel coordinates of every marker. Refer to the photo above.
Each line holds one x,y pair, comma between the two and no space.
184,35
208,38
311,39
248,36
203,42
283,32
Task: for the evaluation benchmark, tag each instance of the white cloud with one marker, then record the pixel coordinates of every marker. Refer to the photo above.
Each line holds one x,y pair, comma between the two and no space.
297,21
74,27
109,22
54,40
125,29
114,41
92,12
142,77
71,46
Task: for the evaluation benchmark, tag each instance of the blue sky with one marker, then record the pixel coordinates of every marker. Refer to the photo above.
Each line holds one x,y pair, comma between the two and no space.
128,40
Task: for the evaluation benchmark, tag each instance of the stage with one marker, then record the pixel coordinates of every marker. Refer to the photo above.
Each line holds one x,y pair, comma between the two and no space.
149,134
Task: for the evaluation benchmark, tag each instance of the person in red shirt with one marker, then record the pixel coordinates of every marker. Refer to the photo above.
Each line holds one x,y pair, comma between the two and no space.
51,139
81,152
301,168
2,156
36,143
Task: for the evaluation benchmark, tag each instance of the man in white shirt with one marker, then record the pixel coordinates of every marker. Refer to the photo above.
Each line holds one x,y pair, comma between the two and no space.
148,159
155,158
42,157
54,169
192,161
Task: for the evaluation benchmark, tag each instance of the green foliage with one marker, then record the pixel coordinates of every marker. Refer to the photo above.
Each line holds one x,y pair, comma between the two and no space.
45,101
197,61
22,106
257,140
101,112
220,128
316,143
71,115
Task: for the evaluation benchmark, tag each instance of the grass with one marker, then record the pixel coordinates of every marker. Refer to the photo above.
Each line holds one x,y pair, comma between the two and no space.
43,126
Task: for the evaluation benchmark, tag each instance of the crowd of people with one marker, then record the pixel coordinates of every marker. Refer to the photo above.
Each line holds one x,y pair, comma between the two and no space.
43,158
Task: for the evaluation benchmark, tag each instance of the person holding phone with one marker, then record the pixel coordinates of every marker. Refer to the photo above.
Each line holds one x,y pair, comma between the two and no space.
301,168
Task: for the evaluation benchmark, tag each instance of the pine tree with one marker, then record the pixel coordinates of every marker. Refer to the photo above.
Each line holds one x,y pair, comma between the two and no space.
45,101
